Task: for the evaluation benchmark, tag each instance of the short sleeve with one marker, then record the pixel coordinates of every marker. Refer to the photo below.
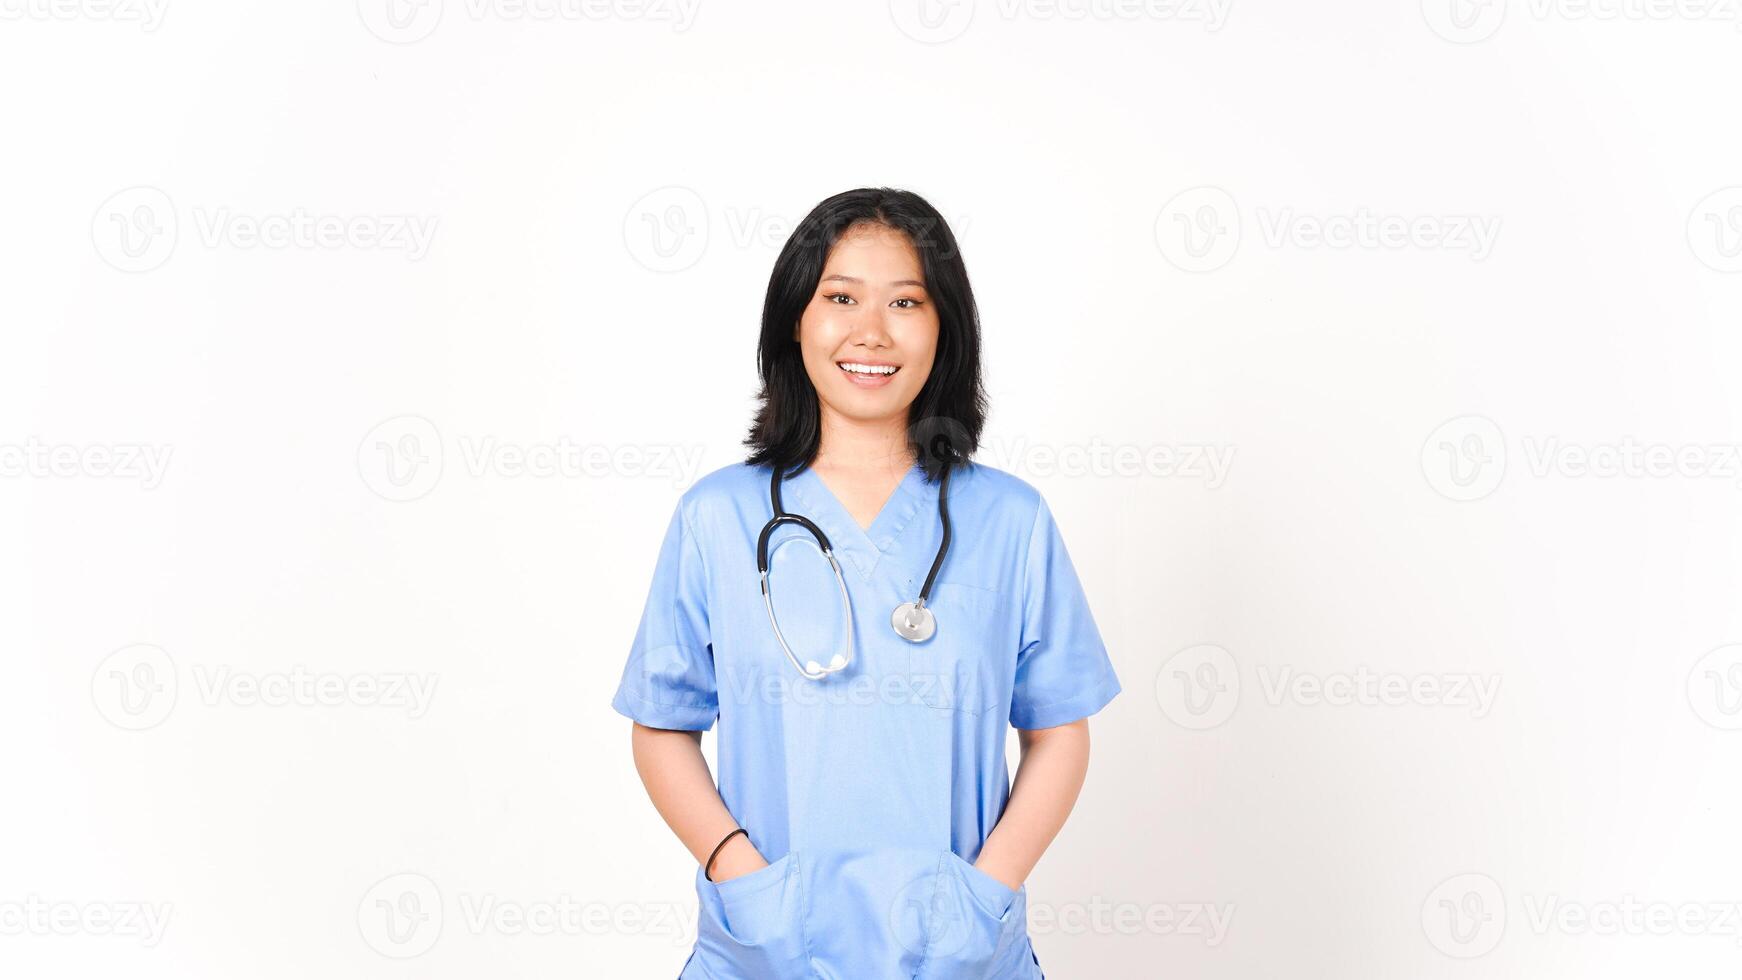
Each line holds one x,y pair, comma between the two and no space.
669,679
1063,672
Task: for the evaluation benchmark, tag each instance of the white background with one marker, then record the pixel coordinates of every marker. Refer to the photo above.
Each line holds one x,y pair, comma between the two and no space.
1440,462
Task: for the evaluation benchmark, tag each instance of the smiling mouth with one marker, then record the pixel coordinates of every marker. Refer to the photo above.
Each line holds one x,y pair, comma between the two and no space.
868,370
864,375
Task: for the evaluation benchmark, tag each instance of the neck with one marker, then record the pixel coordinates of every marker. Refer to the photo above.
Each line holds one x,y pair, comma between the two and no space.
859,444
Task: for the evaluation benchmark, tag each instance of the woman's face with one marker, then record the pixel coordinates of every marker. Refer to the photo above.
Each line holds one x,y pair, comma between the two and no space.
870,313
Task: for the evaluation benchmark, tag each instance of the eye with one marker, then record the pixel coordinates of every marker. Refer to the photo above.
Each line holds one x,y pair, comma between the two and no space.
832,297
912,303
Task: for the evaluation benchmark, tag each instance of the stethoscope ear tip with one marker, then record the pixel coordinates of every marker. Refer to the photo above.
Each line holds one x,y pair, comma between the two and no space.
835,663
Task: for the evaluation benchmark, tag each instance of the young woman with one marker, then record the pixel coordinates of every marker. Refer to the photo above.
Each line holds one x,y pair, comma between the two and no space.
866,650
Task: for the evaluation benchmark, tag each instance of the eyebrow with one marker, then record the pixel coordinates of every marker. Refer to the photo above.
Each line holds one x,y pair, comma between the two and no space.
898,282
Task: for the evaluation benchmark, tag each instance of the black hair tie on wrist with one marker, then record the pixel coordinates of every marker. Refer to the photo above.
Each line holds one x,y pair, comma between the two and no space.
708,869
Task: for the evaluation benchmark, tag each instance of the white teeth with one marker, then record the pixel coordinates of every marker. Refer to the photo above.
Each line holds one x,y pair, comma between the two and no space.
868,368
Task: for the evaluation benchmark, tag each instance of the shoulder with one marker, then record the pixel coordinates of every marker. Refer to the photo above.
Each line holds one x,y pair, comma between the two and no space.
727,482
723,493
996,493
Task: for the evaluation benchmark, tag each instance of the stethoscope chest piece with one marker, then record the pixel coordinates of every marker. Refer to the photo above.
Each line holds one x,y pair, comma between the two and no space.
914,622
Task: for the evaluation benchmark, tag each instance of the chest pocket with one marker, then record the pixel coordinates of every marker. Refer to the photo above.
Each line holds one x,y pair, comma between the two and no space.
964,666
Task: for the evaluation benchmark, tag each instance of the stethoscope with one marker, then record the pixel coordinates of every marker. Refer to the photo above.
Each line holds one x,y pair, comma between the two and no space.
912,620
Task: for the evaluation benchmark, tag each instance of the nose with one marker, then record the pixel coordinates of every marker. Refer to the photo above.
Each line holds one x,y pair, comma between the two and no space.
869,328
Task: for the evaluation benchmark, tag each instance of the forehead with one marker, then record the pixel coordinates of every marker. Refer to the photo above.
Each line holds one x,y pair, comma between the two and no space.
875,253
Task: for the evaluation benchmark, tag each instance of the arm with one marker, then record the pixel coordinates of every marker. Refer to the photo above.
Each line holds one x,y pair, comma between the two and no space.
682,789
1048,779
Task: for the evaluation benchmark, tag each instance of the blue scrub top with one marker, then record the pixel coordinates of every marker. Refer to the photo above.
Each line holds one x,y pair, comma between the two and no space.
870,792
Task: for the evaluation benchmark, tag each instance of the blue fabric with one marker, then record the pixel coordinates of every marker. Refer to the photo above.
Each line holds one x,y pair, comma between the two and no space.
871,791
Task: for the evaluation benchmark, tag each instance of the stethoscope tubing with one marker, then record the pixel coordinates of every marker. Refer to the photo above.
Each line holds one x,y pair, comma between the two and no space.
781,516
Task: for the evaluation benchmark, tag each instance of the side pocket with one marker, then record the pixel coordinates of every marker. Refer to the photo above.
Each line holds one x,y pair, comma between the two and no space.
994,895
974,922
752,927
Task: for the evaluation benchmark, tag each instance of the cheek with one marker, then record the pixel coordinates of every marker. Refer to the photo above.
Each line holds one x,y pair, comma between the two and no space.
930,356
817,342
820,327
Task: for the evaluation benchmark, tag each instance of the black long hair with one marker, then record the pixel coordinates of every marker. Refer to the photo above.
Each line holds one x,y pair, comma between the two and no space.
946,417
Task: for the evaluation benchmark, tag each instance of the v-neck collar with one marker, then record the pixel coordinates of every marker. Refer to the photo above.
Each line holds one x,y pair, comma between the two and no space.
863,546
